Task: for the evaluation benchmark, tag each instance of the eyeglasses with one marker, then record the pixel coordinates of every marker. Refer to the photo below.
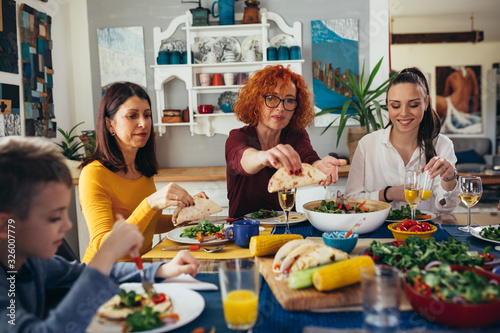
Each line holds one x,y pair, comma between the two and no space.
289,104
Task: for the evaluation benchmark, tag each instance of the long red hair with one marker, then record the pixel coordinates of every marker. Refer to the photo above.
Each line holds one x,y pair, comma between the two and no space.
263,82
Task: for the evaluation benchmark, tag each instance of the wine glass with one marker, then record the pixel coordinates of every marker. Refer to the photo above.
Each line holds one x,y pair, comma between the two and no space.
413,189
287,200
470,192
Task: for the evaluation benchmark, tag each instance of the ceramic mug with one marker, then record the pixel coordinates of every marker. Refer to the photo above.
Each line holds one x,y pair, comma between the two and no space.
185,57
242,231
272,53
209,58
175,57
295,52
226,11
228,56
228,79
162,58
205,79
217,79
283,53
240,78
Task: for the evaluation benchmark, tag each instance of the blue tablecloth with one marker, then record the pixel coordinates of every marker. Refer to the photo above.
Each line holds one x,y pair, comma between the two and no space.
273,318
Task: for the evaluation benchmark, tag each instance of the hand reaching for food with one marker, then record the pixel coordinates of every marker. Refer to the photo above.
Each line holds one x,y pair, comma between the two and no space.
183,263
170,195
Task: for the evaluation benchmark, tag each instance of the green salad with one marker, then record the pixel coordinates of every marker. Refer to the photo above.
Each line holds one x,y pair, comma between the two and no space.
264,214
333,207
490,233
204,227
402,214
416,251
452,286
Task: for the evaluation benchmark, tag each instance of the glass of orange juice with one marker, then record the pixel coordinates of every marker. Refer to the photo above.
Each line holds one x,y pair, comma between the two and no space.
239,285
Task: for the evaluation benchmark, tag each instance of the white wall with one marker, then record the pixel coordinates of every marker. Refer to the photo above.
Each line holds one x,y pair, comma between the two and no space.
428,56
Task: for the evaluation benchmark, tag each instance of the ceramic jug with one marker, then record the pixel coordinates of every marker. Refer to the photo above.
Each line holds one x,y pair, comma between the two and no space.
209,58
228,56
226,11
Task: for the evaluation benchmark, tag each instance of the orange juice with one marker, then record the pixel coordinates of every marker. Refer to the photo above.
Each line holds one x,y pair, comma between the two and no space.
240,308
426,195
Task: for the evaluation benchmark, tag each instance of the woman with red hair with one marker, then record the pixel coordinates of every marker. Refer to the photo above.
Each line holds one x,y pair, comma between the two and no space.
276,105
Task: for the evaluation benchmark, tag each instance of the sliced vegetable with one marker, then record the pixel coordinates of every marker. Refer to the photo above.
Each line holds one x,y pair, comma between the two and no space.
422,288
304,278
158,298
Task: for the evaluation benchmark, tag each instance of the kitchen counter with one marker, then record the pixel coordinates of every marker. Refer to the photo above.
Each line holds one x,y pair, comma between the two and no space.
193,174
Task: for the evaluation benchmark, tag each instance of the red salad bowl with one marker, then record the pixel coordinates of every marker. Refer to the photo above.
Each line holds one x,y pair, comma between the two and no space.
454,314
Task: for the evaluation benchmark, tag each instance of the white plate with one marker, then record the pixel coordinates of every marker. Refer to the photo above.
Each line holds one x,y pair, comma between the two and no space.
188,304
476,230
173,44
283,40
225,43
201,47
254,43
175,235
280,219
423,212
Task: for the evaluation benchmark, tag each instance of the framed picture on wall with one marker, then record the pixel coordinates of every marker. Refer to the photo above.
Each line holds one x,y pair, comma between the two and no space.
458,99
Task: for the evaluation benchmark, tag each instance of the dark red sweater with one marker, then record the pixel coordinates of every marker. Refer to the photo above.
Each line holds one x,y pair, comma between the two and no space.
248,193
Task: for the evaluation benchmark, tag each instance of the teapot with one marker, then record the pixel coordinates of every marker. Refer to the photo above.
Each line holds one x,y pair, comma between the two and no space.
209,58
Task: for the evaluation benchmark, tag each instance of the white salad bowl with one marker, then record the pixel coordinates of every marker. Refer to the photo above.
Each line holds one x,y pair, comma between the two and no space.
344,222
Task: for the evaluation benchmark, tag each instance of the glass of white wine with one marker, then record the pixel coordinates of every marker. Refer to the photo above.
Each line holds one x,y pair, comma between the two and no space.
471,190
287,200
413,189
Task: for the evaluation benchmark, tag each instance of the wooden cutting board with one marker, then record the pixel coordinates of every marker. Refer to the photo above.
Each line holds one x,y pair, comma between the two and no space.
308,298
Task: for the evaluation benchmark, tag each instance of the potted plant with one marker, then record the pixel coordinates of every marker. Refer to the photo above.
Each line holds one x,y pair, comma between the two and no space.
70,149
364,106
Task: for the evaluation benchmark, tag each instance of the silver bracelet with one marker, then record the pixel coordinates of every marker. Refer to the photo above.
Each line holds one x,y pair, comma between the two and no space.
455,176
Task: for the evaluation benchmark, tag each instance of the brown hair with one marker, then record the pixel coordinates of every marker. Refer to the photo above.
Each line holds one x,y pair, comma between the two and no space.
264,81
26,166
107,151
430,126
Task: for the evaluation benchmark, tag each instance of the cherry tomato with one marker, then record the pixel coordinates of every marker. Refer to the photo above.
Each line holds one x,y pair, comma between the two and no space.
158,298
415,228
408,224
425,226
401,227
371,255
487,256
422,288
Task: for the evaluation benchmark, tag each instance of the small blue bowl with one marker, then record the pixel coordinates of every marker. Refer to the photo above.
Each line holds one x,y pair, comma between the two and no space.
227,108
337,240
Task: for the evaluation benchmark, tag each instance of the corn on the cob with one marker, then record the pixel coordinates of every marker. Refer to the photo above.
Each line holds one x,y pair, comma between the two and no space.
341,274
269,244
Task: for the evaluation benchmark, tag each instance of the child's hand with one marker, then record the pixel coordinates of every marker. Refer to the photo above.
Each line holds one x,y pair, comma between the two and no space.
123,239
183,262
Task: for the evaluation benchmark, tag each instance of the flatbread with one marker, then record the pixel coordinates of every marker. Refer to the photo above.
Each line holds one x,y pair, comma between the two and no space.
282,180
280,256
202,208
295,254
108,313
317,256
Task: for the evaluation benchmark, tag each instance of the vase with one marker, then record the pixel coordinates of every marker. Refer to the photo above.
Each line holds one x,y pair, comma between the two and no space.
353,135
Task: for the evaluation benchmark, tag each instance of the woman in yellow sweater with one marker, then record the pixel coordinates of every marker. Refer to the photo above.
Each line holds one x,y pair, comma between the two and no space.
118,177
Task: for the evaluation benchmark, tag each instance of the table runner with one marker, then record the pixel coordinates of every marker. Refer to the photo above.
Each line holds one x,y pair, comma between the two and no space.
467,237
230,251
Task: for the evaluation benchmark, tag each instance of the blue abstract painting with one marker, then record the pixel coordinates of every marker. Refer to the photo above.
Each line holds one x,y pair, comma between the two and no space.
334,52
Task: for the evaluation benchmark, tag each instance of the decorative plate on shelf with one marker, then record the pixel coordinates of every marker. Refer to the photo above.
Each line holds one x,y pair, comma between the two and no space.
253,43
283,40
201,47
173,44
227,97
226,43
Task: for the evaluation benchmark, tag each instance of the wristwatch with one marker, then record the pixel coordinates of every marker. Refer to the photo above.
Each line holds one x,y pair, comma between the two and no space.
455,176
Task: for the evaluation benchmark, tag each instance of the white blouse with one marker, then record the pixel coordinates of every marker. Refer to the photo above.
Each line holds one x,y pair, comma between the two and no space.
377,164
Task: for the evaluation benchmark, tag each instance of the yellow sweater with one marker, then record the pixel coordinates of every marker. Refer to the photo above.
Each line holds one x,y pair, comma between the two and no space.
103,194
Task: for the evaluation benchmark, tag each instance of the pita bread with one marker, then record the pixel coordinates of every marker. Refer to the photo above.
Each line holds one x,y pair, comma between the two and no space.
295,254
280,256
282,180
317,256
202,208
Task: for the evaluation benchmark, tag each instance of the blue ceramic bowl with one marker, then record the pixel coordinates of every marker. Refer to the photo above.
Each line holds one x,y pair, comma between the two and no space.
227,108
337,240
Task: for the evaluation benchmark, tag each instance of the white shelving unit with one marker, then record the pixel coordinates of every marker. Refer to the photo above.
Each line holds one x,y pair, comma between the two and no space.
217,122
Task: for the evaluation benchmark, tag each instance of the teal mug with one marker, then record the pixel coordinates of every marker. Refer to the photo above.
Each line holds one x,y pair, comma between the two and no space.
226,11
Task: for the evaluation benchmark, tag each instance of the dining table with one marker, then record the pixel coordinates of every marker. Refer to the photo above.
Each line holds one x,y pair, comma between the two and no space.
273,317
